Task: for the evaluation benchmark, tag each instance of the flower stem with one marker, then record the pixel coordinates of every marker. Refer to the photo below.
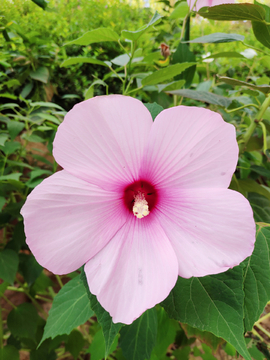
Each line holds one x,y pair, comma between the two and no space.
252,126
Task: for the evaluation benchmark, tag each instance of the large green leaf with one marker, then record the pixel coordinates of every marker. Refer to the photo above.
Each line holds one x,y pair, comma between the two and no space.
166,73
70,309
154,109
233,12
9,352
257,277
262,29
248,186
263,88
135,35
260,206
95,36
217,38
82,60
9,262
110,329
138,339
180,11
42,3
204,96
183,55
211,303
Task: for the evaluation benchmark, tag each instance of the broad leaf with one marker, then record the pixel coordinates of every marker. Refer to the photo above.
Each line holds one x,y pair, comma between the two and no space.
211,303
75,343
121,60
263,88
260,206
41,74
23,321
154,109
110,329
82,60
180,11
95,36
217,38
233,12
249,185
9,352
262,32
225,54
135,35
257,277
42,3
174,85
138,339
70,309
204,96
9,262
166,73
184,55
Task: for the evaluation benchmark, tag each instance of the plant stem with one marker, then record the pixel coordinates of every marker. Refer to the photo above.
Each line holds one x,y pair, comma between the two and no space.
59,280
252,126
1,329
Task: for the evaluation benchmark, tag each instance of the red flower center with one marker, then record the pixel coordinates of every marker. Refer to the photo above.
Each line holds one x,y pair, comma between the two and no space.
140,188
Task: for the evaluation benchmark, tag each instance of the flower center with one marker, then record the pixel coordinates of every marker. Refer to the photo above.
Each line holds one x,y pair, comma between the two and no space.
140,198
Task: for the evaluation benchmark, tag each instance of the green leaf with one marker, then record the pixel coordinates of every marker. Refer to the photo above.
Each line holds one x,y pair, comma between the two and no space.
41,74
46,104
3,139
110,329
41,3
10,147
180,11
14,128
23,321
9,262
9,352
83,60
250,185
257,278
29,268
154,109
260,206
70,309
48,117
203,96
204,336
75,343
182,55
97,348
233,12
89,93
263,88
166,333
217,38
225,54
175,85
211,303
121,60
2,202
166,73
135,35
95,36
262,32
13,176
138,339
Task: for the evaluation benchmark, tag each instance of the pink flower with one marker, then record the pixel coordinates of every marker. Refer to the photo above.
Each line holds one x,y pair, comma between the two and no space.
202,3
140,202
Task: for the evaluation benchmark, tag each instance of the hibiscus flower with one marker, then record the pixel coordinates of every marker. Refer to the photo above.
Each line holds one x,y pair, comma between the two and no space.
139,202
202,3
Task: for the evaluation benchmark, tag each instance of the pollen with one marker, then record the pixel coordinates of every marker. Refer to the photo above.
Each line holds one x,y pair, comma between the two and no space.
140,207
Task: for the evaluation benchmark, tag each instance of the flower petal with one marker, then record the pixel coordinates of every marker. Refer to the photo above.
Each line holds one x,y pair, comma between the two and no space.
67,221
102,139
190,147
135,271
210,230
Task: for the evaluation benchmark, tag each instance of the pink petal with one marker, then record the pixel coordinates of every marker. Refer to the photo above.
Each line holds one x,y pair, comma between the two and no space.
102,139
67,221
135,271
202,3
211,230
190,147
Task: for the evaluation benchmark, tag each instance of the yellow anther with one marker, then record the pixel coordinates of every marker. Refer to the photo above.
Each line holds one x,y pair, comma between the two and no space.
140,208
